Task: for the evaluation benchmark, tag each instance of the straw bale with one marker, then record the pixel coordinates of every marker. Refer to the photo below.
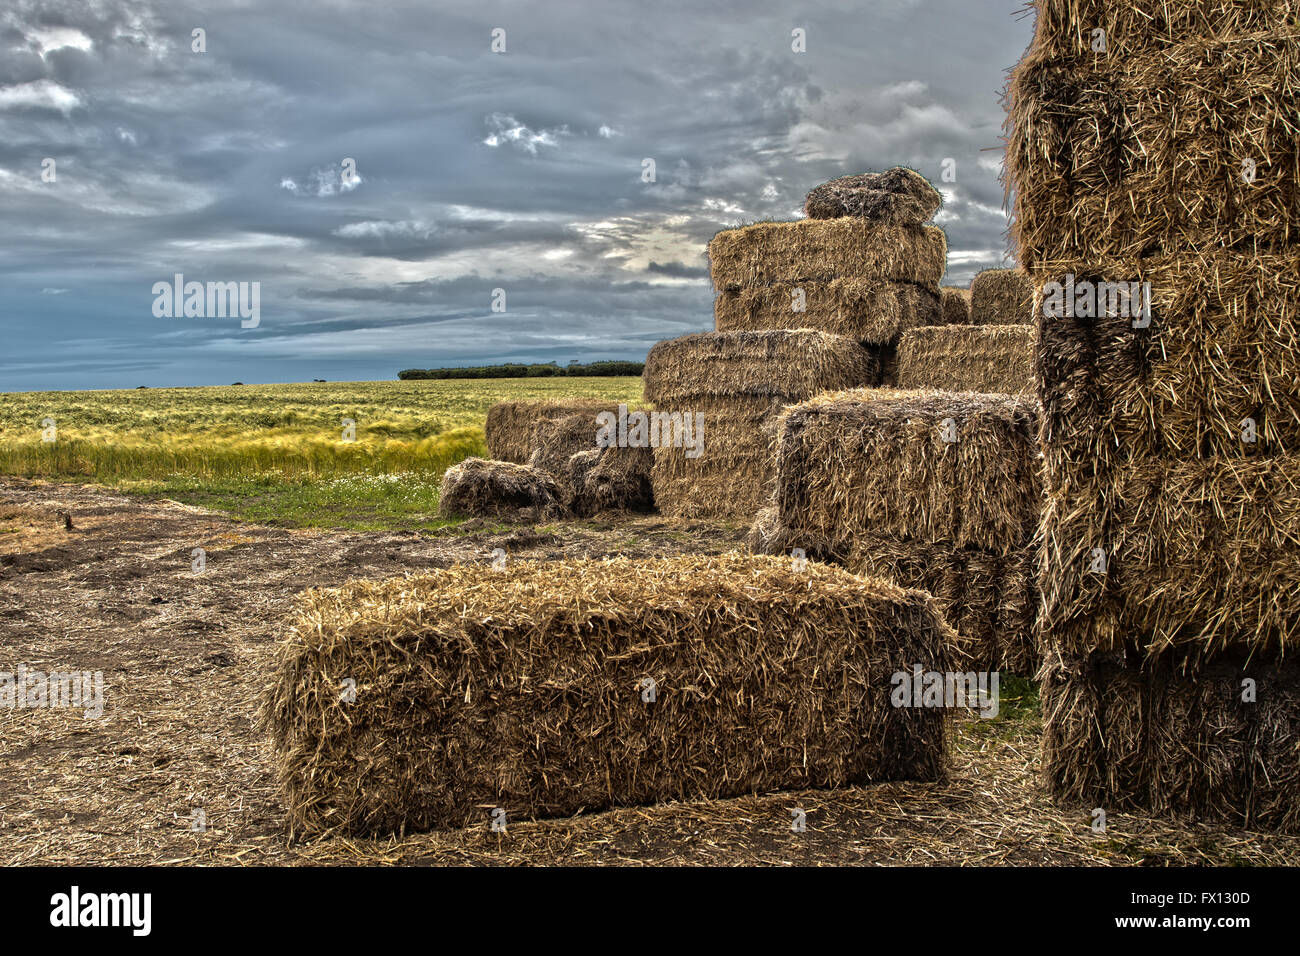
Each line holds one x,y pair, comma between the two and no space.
1199,555
874,313
968,358
732,475
734,385
1001,297
826,249
954,305
898,196
1139,156
510,425
1170,736
620,480
556,440
875,462
1064,28
1223,346
499,489
986,598
525,688
788,365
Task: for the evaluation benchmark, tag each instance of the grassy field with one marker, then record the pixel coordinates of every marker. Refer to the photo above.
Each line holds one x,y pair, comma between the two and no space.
275,453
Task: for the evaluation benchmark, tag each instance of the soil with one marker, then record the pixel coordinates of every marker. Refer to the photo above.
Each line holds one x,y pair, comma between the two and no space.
176,770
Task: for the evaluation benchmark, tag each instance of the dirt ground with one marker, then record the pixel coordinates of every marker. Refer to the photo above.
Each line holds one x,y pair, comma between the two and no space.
186,658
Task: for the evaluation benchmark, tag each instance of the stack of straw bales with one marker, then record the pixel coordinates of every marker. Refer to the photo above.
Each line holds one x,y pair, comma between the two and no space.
933,490
863,265
549,689
803,307
1170,564
726,390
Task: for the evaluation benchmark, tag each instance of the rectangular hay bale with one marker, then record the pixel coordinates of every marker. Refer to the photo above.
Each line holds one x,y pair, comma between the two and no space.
734,385
1065,28
1002,297
873,313
509,429
968,358
557,688
860,463
955,305
1174,736
1197,554
988,599
826,249
1139,156
1222,346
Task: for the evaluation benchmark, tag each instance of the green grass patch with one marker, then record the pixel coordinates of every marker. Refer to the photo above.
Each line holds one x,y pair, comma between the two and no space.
354,503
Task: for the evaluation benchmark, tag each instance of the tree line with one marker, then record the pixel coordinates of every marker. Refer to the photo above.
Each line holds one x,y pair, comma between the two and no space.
520,370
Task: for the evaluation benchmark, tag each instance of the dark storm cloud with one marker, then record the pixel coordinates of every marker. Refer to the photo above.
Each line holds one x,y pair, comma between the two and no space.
474,171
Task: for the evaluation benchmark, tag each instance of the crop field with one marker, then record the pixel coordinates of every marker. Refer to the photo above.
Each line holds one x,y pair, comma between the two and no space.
283,453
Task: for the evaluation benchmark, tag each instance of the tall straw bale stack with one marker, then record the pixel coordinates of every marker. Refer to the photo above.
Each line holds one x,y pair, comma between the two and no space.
1001,297
734,384
499,489
975,358
898,196
1170,550
1164,735
955,306
869,478
826,249
551,689
1143,155
873,312
510,425
1223,346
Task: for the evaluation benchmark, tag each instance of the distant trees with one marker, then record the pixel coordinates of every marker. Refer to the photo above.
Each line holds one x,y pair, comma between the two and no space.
519,370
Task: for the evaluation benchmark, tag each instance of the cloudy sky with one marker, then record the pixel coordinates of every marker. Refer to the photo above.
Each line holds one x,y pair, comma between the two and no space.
475,170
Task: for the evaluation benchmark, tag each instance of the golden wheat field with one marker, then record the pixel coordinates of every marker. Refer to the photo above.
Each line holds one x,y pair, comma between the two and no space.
362,455
245,430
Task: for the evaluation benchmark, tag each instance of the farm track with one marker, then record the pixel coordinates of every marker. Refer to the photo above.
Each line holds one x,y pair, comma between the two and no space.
186,658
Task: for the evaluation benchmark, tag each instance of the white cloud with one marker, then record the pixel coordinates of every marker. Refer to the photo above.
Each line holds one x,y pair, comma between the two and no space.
506,130
58,38
321,182
382,228
39,93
